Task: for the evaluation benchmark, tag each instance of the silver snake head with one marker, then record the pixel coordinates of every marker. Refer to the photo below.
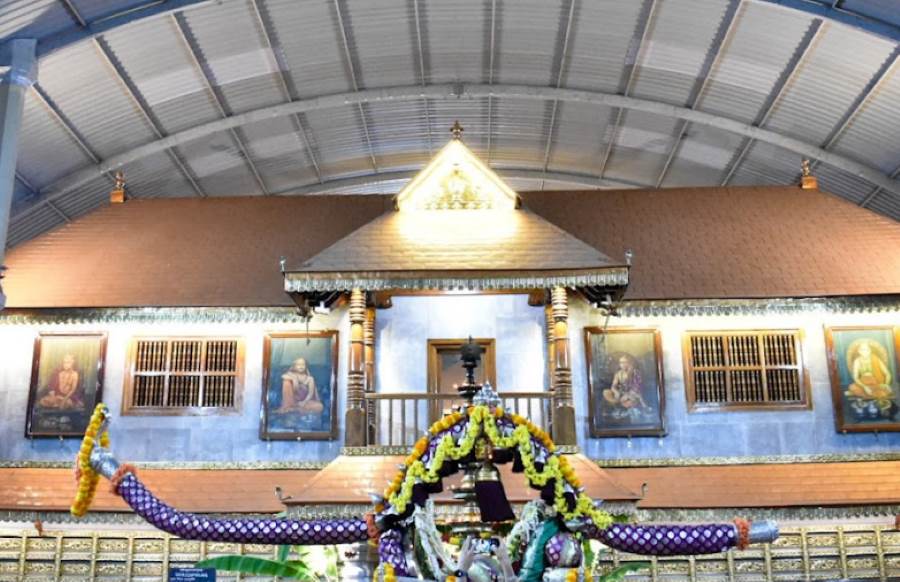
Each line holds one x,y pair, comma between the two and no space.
103,461
763,531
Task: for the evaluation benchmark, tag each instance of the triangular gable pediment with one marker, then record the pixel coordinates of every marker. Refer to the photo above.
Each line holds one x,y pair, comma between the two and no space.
456,179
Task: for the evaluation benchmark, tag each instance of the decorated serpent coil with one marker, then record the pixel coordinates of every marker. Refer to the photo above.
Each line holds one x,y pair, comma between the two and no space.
544,543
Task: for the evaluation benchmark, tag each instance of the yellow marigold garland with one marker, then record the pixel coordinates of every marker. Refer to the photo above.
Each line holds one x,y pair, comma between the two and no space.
572,575
387,573
86,476
482,419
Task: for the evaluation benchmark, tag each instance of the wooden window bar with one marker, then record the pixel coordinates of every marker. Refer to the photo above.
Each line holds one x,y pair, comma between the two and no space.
184,375
751,369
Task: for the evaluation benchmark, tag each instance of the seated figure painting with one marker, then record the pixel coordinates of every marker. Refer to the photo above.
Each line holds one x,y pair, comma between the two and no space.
67,375
625,381
299,397
864,368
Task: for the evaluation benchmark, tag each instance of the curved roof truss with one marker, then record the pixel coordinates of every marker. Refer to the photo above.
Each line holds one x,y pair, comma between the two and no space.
154,8
463,91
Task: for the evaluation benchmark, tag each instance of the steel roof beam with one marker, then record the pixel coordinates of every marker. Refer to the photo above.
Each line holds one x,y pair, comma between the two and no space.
206,73
155,8
832,11
287,86
86,30
639,41
351,58
462,91
878,189
800,54
420,50
861,100
559,60
490,80
721,39
336,184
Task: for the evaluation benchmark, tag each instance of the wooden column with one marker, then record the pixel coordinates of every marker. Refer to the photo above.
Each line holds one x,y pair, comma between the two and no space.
551,346
563,409
355,417
369,360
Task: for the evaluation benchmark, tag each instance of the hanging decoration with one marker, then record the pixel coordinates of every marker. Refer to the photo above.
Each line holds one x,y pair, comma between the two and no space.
483,542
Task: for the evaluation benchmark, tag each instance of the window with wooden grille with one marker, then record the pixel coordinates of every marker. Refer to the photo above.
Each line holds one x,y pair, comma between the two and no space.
744,370
184,375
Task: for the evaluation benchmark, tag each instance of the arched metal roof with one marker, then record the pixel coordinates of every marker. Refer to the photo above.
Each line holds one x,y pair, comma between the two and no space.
232,97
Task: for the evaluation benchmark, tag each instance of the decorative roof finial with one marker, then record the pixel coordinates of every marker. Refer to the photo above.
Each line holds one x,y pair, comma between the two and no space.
117,196
807,180
457,130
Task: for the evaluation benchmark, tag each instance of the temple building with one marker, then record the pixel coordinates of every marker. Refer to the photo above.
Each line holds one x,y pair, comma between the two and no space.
263,253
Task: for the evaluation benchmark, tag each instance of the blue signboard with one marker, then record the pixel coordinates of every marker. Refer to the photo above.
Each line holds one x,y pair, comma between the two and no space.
192,575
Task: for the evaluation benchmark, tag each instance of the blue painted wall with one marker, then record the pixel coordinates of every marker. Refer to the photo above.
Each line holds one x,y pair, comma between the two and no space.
401,335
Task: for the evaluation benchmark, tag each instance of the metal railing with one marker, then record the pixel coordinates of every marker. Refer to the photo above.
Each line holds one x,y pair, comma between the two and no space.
400,418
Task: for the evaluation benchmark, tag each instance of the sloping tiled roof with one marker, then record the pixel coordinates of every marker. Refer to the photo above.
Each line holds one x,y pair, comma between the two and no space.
770,485
252,491
734,242
181,252
349,479
740,242
434,249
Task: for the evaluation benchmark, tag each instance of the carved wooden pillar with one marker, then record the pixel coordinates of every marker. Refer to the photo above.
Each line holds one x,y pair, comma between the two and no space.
563,409
369,359
355,417
551,346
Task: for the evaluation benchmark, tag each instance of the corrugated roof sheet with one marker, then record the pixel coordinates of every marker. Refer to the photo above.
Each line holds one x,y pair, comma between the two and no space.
404,43
681,33
827,82
759,49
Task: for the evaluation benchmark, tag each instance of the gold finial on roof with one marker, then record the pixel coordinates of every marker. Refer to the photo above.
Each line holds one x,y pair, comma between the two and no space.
807,180
117,196
457,130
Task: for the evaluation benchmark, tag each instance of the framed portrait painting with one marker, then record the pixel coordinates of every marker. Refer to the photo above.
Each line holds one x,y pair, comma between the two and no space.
864,366
66,383
299,396
625,381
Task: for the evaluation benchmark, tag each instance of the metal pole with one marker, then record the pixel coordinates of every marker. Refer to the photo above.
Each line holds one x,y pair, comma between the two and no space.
18,60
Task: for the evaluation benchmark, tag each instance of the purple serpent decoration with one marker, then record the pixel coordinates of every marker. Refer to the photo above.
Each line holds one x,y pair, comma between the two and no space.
667,540
657,540
191,526
390,551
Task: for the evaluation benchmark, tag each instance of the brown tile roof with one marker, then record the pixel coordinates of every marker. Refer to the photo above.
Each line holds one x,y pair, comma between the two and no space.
734,242
457,241
688,243
773,485
181,252
351,478
449,249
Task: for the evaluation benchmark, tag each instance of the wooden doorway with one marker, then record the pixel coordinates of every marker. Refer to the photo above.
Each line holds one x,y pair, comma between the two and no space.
445,371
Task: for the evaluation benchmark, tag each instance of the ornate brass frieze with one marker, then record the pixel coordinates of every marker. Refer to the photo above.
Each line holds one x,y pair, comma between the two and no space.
311,282
150,315
812,551
780,305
